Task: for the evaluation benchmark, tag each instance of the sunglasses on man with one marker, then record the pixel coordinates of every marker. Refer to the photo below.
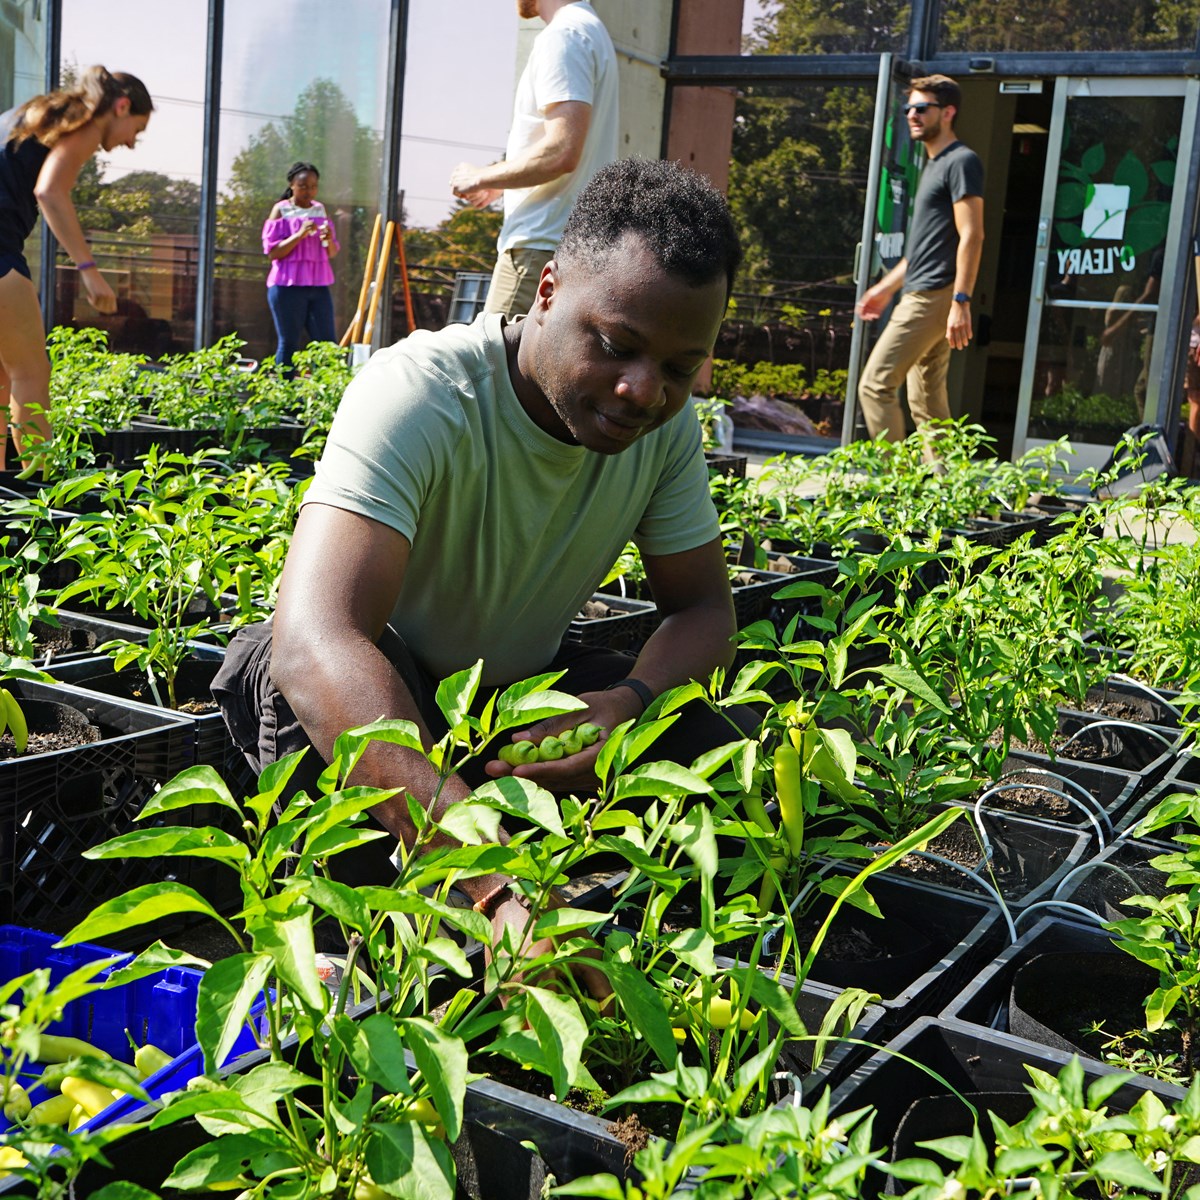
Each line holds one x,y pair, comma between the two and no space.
921,107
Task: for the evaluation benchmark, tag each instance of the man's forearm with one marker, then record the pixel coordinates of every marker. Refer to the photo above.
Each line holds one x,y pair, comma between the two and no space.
314,686
543,163
687,645
966,261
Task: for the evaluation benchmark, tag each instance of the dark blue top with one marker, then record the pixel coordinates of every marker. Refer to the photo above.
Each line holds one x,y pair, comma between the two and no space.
931,247
19,168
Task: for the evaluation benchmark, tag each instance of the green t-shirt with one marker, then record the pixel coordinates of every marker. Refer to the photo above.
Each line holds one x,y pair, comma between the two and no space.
511,529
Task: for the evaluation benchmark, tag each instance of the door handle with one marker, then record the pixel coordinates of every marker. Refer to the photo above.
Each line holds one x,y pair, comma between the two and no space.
1039,280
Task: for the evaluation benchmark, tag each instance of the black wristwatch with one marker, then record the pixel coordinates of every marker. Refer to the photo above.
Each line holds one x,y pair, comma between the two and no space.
962,298
641,690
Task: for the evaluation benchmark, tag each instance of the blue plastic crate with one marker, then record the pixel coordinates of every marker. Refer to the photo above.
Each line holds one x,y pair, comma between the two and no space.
159,1009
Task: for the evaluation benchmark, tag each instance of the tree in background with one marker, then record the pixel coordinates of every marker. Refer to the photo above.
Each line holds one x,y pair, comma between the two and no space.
464,241
830,27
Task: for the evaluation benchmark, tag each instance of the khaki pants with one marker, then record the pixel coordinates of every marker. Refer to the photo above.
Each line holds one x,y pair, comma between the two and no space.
913,346
515,280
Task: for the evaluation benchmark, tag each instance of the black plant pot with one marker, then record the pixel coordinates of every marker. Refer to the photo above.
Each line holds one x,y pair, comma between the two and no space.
925,947
1088,796
975,1062
1053,983
1028,857
211,745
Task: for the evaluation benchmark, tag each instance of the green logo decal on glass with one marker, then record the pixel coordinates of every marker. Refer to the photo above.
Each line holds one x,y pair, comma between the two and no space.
1120,210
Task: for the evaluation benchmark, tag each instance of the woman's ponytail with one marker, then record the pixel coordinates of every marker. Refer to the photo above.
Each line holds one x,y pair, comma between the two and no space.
50,117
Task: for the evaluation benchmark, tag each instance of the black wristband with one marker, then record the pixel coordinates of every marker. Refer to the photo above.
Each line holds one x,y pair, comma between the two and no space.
644,694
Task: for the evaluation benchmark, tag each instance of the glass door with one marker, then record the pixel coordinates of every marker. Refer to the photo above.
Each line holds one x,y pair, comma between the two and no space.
1110,213
891,182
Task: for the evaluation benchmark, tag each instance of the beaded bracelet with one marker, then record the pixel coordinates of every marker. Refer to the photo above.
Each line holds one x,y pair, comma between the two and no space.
85,266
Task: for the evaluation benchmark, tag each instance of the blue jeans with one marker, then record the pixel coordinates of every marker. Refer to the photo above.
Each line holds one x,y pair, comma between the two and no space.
295,309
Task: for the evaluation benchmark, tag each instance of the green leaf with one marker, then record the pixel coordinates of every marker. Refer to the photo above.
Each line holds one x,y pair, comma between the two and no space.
405,1162
196,785
442,1060
123,1190
695,948
341,902
561,1032
456,694
1131,173
151,961
660,779
643,1005
694,832
1070,199
536,706
290,944
558,921
1164,171
173,840
222,1161
384,1059
1069,233
914,684
1146,226
227,992
777,1000
151,902
1093,158
1160,1004
1124,1167
391,730
521,798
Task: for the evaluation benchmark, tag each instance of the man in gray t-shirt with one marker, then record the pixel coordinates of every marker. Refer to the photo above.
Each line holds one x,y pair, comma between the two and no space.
937,272
478,481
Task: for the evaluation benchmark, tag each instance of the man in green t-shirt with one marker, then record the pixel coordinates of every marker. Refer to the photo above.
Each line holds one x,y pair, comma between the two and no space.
477,485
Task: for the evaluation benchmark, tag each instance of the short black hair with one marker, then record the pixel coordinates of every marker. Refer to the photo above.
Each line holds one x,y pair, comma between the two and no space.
683,220
943,87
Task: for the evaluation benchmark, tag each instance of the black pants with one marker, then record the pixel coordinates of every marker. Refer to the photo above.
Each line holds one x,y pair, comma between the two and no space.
264,727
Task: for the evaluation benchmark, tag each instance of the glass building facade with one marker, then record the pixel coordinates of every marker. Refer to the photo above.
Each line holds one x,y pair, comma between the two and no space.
793,107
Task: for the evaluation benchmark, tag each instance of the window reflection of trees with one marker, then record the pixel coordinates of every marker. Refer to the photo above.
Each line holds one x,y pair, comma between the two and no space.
1070,26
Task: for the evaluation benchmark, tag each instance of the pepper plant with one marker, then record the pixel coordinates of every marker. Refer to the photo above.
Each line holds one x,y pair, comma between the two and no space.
166,546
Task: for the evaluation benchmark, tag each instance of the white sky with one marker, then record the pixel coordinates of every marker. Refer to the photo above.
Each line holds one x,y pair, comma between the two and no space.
458,87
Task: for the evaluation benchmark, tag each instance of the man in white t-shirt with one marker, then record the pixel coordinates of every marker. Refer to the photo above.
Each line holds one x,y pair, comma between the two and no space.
564,130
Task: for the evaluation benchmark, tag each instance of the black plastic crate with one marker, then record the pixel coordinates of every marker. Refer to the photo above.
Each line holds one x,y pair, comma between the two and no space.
1112,792
726,464
753,594
628,628
211,746
56,805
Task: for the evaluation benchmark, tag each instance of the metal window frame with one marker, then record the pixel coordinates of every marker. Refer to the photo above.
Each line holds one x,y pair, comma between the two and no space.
206,247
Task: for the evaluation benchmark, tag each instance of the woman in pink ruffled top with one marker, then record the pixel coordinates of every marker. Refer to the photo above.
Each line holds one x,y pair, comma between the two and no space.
299,239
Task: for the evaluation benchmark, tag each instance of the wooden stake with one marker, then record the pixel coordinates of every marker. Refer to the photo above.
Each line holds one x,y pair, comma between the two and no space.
408,304
383,262
351,334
